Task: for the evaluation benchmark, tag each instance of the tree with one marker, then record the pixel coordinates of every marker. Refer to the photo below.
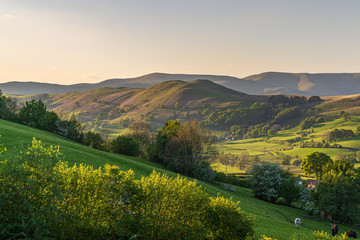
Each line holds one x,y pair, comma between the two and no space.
126,145
7,108
269,182
93,140
31,113
314,162
188,147
338,193
48,121
71,129
140,130
156,150
244,158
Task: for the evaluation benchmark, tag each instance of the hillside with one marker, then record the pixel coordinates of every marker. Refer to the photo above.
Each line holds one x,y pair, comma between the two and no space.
158,103
324,84
350,103
30,88
272,220
286,143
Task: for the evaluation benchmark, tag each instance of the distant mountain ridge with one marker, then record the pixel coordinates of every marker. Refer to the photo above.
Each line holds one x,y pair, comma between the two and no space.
322,84
158,101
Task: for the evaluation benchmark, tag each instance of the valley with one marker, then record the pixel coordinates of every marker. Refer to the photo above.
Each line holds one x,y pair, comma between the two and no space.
248,130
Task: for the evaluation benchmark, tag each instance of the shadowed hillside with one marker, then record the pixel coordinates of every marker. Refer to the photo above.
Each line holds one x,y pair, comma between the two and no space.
322,84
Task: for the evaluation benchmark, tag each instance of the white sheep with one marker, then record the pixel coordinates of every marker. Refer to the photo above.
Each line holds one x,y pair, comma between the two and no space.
297,222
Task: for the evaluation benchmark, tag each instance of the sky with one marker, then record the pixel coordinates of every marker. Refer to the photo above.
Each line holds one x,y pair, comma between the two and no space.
79,41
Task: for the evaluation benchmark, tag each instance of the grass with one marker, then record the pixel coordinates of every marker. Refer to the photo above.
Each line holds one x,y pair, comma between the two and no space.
229,169
271,220
257,146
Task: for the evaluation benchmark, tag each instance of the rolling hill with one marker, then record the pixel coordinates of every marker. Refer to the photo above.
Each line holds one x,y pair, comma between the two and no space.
324,84
272,220
158,103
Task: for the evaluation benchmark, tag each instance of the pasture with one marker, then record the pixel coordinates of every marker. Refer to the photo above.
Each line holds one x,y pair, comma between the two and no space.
272,220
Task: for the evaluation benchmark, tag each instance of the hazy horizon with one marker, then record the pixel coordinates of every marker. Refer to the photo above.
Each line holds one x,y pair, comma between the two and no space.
68,42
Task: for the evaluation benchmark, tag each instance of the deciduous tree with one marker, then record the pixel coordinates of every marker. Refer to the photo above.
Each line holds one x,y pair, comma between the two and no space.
314,163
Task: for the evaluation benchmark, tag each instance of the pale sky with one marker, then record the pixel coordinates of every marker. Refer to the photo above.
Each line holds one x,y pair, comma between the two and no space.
72,41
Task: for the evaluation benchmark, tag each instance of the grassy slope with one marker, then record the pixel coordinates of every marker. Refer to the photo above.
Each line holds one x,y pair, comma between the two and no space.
271,220
256,146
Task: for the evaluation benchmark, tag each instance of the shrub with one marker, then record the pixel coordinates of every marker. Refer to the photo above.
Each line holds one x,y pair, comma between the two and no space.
227,221
281,201
311,208
126,145
325,236
29,193
171,208
204,172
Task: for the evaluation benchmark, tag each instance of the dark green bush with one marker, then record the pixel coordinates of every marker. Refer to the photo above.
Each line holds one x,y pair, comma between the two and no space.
126,145
204,172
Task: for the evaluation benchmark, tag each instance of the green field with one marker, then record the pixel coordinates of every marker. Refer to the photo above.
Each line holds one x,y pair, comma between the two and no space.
271,220
258,146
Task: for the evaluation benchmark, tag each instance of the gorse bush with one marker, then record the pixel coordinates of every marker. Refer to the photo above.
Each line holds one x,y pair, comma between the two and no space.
162,206
227,221
41,197
29,193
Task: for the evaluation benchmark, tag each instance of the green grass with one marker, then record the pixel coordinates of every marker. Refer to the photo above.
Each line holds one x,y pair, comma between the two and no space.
229,169
257,146
303,152
272,220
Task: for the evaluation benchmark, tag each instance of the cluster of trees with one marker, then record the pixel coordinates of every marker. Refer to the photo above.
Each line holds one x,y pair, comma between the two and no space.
262,130
292,99
316,144
34,114
286,114
307,123
184,148
338,190
261,119
41,197
242,160
338,134
256,114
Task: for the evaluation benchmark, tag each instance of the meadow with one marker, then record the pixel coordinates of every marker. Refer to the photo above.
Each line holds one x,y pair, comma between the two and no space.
272,220
267,148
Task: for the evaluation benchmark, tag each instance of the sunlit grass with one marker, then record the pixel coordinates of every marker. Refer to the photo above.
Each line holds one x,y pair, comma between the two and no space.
271,220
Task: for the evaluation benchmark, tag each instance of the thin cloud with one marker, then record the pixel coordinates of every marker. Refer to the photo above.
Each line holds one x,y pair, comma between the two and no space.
91,76
7,17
